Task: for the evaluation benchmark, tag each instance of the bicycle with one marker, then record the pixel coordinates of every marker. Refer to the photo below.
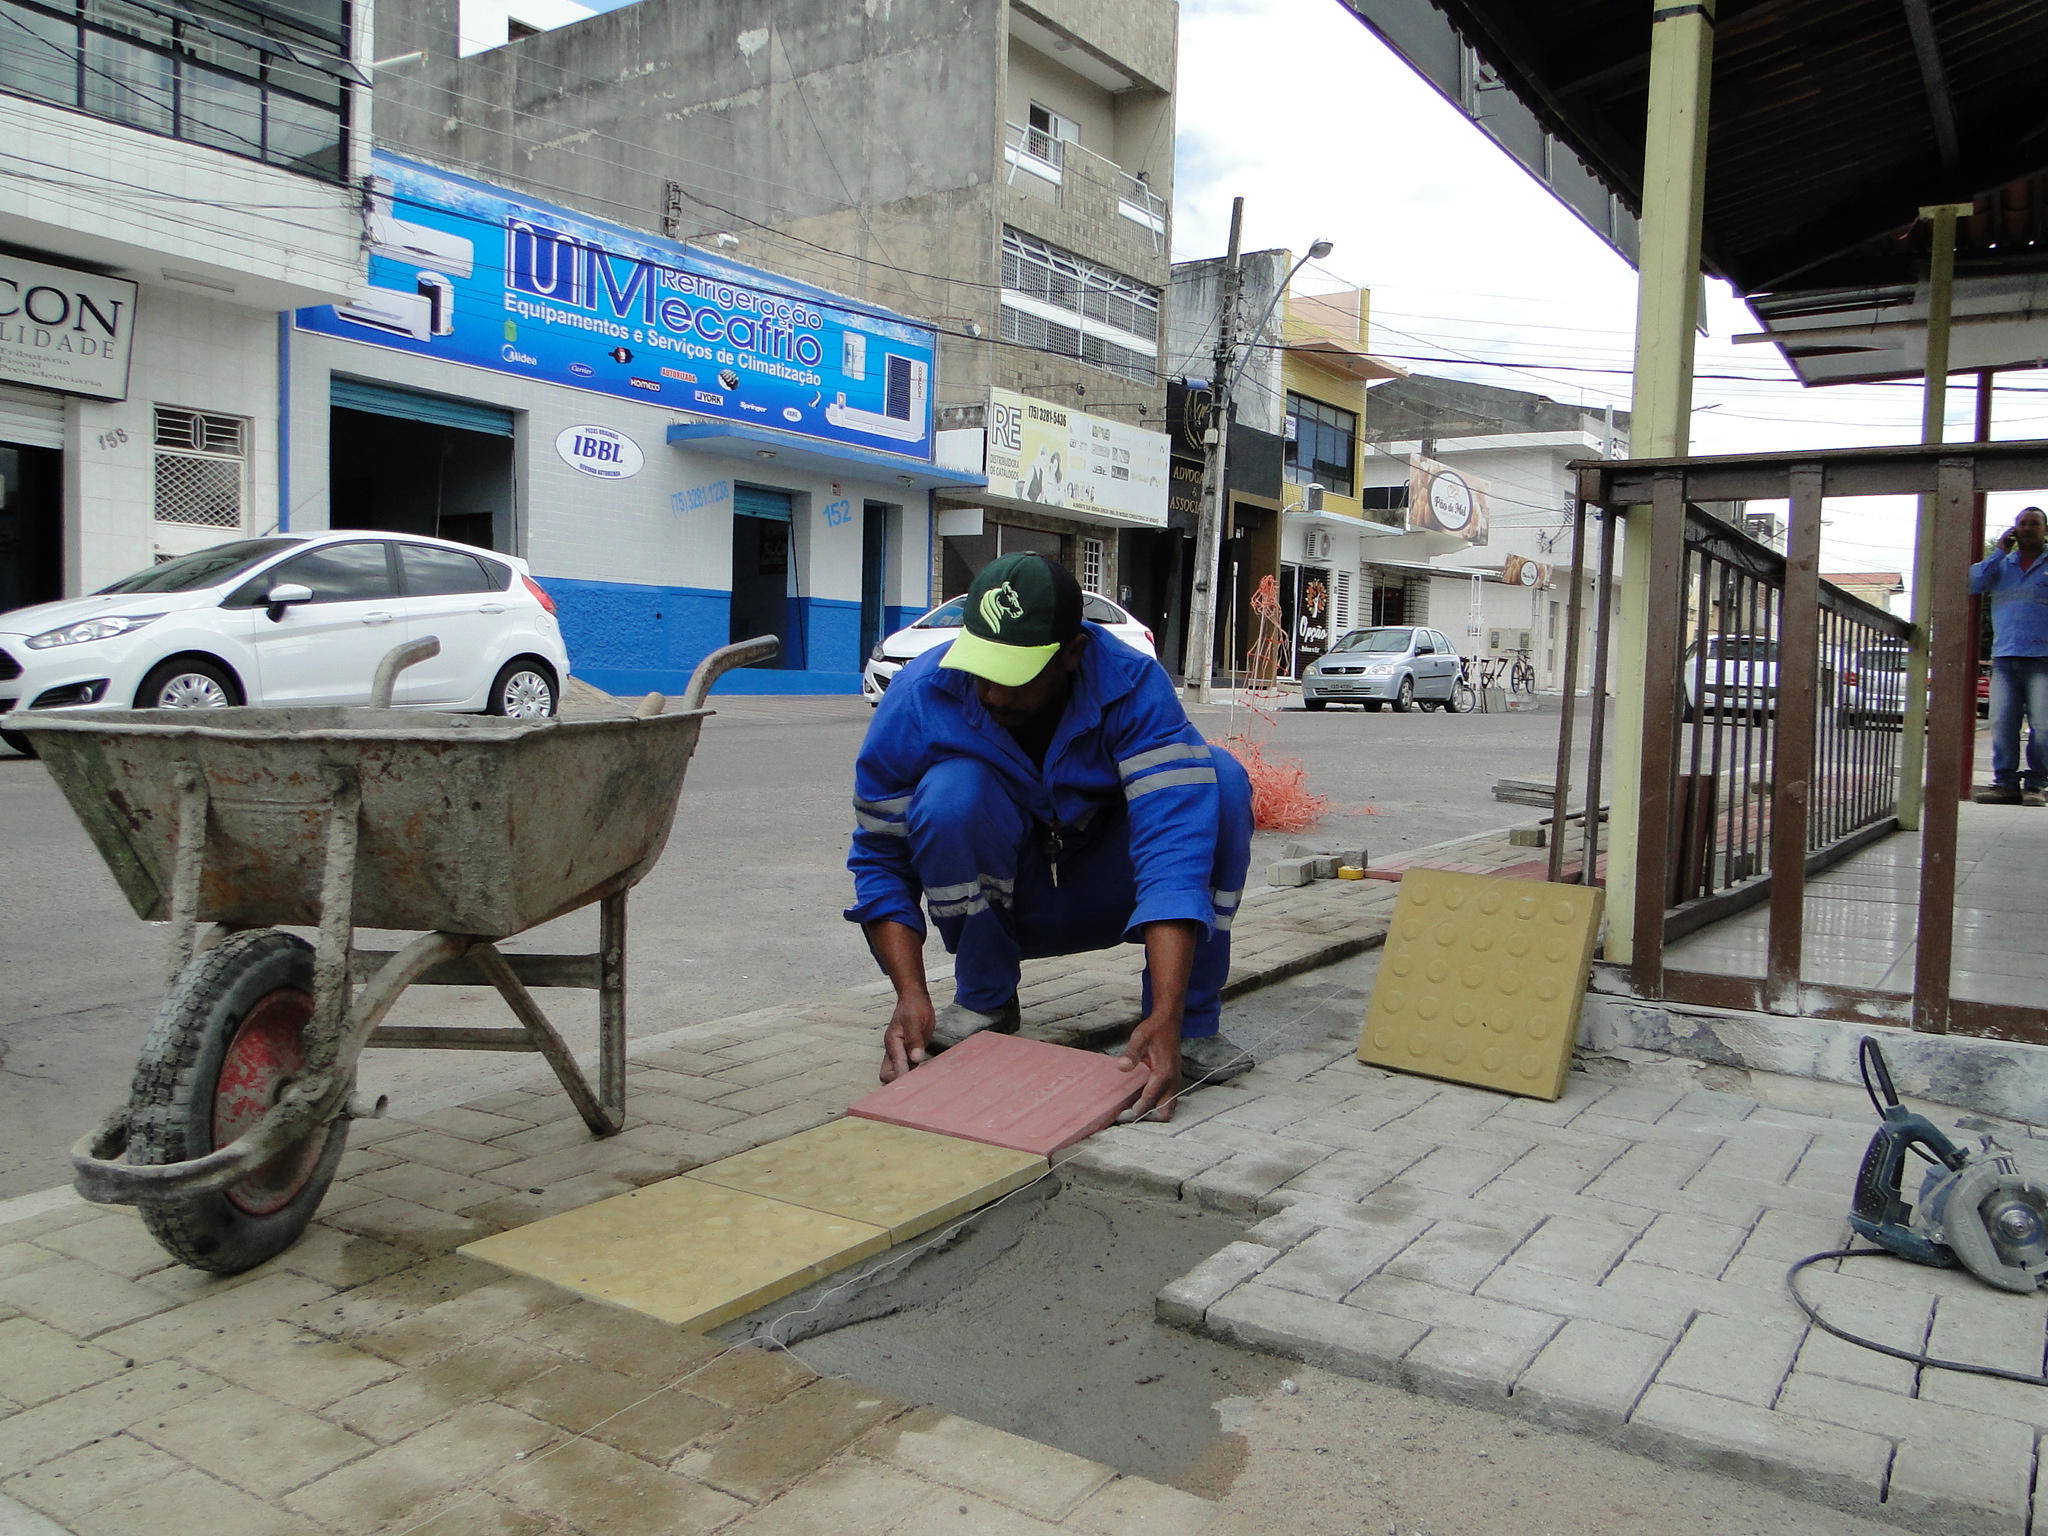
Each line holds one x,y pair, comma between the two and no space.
1463,699
1522,674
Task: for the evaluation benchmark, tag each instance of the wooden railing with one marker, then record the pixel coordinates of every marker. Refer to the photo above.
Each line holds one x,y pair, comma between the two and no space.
1790,767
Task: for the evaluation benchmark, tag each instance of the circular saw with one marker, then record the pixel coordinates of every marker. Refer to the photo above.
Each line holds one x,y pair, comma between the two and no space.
1975,1209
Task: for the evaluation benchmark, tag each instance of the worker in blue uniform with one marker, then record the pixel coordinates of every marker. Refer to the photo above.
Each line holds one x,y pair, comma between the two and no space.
2015,579
1039,785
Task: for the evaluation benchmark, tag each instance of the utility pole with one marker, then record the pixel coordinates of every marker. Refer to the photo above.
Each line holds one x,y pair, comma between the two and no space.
1199,661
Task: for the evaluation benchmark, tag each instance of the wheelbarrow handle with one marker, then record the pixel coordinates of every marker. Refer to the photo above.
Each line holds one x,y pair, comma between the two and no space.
395,661
722,661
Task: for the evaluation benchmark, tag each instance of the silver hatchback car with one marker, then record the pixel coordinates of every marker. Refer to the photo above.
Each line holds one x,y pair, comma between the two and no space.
1404,665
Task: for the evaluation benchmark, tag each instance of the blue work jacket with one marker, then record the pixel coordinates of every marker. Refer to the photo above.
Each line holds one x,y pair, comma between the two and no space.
1124,737
2019,603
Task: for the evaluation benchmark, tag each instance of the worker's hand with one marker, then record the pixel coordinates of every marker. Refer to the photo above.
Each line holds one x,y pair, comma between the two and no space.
910,1031
1154,1048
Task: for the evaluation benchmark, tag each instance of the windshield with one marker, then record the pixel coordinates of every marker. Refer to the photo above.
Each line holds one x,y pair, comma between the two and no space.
209,568
948,616
1742,648
1393,641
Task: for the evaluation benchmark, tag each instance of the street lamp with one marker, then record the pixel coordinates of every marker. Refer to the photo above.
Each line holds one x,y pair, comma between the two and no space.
1200,658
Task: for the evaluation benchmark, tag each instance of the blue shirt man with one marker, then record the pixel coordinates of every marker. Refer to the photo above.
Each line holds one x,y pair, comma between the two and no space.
2015,580
1039,785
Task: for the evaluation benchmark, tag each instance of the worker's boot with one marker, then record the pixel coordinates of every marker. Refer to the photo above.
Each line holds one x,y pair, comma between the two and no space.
2000,794
1210,1059
956,1023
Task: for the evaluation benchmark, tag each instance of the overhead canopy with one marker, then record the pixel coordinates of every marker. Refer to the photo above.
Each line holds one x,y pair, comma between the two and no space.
1832,123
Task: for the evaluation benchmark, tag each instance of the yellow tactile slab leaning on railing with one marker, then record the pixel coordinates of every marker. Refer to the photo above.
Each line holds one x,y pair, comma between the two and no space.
724,1239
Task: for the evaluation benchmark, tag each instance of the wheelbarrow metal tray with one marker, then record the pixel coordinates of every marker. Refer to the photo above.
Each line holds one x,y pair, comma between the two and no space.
470,824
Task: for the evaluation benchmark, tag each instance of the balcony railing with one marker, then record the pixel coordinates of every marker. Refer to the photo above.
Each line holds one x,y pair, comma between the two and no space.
245,88
1034,152
1063,172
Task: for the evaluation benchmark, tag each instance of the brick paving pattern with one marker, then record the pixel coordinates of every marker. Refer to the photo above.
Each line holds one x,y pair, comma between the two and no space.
1613,1263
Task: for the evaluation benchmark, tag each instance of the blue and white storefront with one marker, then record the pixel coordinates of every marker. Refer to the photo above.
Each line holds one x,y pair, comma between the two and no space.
686,451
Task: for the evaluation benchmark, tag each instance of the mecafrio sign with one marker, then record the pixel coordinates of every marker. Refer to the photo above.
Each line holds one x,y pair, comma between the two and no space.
65,330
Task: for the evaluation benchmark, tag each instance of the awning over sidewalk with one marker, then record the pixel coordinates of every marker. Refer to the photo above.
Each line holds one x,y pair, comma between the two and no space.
732,441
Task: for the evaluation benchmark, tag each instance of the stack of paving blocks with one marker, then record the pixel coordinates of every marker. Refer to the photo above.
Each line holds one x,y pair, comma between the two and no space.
725,1239
1303,863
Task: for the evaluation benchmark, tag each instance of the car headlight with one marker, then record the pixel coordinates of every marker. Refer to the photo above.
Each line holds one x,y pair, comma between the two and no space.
1315,669
91,629
876,653
1379,671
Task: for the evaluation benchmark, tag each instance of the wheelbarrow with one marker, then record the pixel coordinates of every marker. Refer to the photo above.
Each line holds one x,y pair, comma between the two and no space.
235,824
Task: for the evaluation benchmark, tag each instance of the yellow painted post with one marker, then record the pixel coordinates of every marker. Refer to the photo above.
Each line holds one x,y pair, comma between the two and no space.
1660,416
1941,279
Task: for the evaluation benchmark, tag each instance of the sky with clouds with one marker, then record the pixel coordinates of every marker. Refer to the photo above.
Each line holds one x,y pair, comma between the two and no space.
1325,133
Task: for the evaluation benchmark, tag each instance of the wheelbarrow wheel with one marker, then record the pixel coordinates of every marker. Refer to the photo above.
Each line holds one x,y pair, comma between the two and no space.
229,1039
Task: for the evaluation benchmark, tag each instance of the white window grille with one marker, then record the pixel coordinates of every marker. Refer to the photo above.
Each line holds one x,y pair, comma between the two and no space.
1059,302
1340,604
1091,565
201,464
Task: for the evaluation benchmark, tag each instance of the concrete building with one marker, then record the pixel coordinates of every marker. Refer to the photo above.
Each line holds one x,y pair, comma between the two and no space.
170,181
1476,476
1001,170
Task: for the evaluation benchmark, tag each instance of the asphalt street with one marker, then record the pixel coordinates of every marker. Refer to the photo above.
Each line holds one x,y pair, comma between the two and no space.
742,911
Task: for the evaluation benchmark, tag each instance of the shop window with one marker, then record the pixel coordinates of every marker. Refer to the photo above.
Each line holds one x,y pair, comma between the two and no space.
1091,565
201,465
1320,441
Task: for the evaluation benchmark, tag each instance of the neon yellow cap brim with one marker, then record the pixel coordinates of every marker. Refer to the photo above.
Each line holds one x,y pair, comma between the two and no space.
1007,666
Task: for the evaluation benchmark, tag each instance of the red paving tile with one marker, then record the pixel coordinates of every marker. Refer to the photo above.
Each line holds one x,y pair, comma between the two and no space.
1009,1092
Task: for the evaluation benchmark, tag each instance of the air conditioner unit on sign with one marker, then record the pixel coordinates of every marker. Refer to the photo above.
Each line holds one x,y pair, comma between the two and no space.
908,385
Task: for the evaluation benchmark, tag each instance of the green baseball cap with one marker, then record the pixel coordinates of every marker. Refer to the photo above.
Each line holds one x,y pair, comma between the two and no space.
1020,610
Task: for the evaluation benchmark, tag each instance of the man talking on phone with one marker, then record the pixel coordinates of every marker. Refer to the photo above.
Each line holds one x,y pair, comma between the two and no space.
2015,580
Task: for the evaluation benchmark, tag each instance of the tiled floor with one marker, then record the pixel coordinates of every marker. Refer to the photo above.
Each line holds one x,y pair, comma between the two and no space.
1861,916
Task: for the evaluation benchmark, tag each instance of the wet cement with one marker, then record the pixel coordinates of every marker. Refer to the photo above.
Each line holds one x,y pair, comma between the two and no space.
1054,1340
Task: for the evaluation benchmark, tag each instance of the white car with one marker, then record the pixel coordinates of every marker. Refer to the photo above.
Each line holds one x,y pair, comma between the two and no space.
292,619
940,625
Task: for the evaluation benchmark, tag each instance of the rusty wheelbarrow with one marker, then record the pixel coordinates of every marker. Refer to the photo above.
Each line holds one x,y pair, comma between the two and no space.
235,824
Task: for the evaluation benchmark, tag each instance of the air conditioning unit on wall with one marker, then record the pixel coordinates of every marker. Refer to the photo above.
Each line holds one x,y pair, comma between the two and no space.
1319,544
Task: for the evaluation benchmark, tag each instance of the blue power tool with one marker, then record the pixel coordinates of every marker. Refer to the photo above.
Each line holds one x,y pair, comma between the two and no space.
1975,1209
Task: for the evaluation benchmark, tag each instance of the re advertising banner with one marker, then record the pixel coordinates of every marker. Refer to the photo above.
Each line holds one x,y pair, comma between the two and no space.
474,274
1052,456
65,330
1446,500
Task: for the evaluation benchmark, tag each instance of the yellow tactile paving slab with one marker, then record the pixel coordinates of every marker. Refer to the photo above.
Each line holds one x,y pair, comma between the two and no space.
885,1175
1482,981
685,1251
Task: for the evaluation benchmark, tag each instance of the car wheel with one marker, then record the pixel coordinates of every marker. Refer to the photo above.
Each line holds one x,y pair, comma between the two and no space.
1316,704
524,690
1405,699
19,743
187,682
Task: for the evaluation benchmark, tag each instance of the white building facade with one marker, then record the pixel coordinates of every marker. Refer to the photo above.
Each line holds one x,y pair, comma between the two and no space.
169,184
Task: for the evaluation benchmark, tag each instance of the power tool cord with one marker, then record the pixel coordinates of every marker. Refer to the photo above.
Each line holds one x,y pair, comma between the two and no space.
1792,1283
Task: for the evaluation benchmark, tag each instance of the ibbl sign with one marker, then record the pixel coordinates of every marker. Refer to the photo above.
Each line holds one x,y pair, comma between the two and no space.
465,272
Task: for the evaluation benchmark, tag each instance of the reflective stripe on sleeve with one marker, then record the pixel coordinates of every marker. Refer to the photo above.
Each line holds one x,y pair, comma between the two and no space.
1146,785
1152,759
876,824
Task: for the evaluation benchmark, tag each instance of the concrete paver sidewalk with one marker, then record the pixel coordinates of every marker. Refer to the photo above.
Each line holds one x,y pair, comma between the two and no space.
1613,1263
373,1379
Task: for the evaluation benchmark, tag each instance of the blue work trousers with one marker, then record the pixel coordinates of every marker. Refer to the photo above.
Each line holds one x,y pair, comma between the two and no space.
2019,692
988,873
